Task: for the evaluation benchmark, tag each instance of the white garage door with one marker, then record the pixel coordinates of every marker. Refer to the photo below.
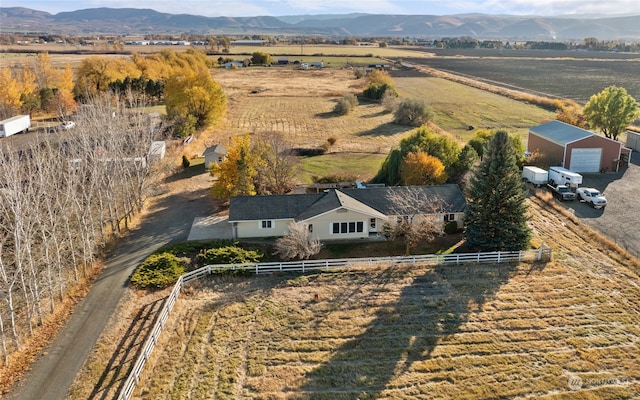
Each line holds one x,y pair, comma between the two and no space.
585,160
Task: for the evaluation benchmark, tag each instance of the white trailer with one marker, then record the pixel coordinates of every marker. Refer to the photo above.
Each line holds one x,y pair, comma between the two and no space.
535,175
13,125
562,176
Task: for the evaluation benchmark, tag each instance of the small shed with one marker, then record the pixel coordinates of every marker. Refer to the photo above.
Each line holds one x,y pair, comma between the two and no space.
576,149
214,155
156,151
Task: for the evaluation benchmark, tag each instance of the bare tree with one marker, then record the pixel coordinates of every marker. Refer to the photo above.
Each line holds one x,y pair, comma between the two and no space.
60,201
416,216
298,243
278,166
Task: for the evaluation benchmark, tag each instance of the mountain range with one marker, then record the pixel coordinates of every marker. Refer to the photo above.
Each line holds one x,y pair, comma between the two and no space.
133,21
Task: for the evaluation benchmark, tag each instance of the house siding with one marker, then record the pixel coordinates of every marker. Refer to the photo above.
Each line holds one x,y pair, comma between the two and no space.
252,229
322,225
458,217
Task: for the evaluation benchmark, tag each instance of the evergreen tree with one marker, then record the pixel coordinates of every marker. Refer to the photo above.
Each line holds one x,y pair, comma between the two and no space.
496,210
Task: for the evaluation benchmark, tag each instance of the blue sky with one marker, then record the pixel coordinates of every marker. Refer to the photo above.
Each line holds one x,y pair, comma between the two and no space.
215,8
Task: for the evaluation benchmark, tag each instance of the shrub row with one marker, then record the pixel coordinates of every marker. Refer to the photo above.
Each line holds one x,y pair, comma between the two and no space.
164,267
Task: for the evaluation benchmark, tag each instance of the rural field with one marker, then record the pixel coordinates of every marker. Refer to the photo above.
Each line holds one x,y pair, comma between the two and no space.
565,74
466,332
299,104
528,331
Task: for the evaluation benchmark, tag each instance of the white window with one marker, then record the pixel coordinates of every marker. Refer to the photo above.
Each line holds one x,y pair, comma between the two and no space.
347,227
266,224
449,217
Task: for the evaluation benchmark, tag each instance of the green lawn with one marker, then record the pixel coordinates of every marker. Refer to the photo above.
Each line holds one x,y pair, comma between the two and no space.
456,107
363,165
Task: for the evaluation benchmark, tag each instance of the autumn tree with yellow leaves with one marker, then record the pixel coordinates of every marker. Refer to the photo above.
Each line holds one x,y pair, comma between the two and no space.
236,173
420,168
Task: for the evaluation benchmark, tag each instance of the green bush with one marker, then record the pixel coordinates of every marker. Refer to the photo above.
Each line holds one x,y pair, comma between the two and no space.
158,271
346,104
229,255
375,91
411,112
190,249
185,162
185,126
451,227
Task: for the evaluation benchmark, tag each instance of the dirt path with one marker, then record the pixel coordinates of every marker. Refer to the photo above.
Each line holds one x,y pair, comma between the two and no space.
168,219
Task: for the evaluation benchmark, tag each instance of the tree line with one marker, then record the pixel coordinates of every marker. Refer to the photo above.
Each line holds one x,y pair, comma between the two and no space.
182,81
61,201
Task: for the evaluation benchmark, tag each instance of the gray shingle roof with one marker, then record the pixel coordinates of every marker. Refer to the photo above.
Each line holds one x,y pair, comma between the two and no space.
215,149
447,198
561,133
299,207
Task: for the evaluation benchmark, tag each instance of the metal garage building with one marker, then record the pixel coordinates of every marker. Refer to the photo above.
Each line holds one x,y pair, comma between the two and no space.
633,140
575,148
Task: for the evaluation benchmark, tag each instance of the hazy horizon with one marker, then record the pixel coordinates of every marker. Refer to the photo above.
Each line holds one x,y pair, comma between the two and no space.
252,8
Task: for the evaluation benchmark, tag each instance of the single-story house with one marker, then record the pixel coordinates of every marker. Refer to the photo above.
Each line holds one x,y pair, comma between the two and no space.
213,155
344,213
576,149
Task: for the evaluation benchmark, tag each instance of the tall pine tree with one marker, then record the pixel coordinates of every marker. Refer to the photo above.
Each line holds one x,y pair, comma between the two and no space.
496,210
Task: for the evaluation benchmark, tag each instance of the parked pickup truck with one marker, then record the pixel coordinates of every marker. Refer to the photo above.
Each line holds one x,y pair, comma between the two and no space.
592,196
562,192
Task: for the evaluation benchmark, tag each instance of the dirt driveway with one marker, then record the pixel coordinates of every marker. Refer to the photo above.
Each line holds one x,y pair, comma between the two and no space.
620,220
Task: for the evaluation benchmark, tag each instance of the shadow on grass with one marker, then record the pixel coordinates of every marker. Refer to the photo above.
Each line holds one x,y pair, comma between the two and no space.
327,115
186,173
388,129
431,308
122,361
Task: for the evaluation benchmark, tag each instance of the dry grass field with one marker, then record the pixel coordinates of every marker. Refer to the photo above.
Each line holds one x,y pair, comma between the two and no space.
455,332
299,104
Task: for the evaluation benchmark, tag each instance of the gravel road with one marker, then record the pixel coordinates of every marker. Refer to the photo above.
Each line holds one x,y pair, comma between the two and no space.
168,219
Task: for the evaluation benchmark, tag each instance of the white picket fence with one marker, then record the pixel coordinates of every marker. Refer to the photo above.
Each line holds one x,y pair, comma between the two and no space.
544,253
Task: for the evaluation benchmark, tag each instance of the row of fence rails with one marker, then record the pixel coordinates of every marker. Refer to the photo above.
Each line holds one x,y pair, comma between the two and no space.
134,376
497,257
347,263
426,259
542,254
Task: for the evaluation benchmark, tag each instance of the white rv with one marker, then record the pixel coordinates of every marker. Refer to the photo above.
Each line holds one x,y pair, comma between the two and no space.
562,176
